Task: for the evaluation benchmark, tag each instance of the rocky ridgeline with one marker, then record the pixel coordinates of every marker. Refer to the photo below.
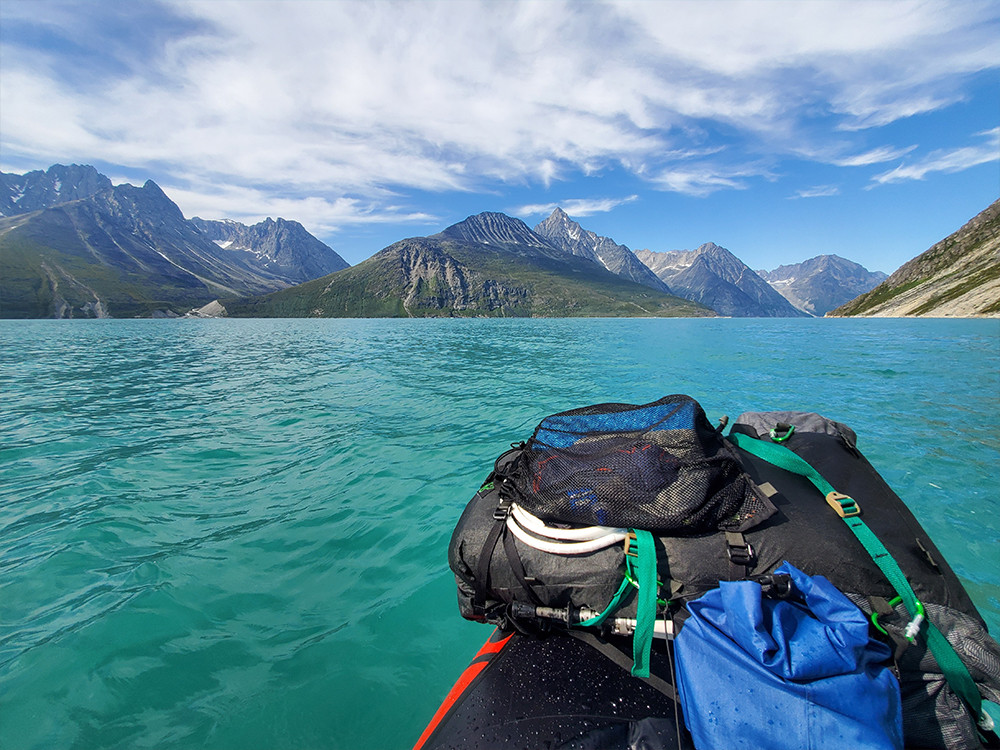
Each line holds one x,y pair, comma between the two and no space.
715,277
822,283
957,277
570,237
496,230
282,246
74,245
23,193
488,265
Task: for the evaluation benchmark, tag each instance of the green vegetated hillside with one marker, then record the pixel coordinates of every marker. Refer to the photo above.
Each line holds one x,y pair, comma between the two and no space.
439,277
73,245
50,266
959,276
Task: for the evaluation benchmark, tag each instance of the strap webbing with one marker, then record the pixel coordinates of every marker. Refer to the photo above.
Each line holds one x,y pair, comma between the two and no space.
645,616
623,661
481,584
951,665
517,568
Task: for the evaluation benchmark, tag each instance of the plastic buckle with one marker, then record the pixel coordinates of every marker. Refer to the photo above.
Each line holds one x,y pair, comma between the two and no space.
775,586
781,586
848,509
502,510
742,554
629,539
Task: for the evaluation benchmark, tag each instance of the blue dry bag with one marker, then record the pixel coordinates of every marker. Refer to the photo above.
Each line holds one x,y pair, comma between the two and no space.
799,672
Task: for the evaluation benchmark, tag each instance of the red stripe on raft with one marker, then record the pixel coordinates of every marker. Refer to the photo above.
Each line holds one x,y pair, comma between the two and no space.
471,672
493,646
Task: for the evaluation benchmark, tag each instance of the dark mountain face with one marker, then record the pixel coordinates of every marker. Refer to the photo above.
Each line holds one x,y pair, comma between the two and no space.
498,230
93,249
715,277
487,265
58,184
567,235
822,283
283,247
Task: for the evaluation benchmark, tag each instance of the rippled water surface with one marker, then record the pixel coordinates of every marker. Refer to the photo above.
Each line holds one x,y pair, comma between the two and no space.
233,533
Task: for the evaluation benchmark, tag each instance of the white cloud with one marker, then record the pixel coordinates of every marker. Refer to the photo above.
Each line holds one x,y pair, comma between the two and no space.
321,216
875,156
742,39
704,179
819,191
342,105
769,64
947,160
576,207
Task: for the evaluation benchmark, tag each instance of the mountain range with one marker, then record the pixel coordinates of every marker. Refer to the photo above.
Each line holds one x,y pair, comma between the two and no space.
74,245
570,237
822,283
488,265
283,247
718,279
956,277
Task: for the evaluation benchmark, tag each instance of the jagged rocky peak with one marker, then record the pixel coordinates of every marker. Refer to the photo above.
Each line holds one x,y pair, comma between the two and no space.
220,231
60,183
495,229
713,276
820,284
836,266
559,223
717,255
283,246
150,201
567,235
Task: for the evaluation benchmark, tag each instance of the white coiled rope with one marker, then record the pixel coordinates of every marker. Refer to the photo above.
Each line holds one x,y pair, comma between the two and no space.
557,541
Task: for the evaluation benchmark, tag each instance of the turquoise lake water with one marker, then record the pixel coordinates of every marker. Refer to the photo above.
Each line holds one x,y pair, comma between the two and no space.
233,533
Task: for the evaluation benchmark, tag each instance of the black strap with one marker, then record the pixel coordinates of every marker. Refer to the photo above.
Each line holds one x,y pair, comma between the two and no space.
517,568
741,556
623,661
482,582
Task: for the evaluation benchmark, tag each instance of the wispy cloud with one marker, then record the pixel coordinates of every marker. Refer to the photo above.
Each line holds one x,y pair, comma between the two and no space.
946,160
875,156
698,183
702,179
576,207
347,105
319,215
819,191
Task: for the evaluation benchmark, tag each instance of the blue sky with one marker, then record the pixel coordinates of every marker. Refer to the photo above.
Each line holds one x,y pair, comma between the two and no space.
780,130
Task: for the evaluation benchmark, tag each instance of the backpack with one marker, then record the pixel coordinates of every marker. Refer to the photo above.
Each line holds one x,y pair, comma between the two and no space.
609,472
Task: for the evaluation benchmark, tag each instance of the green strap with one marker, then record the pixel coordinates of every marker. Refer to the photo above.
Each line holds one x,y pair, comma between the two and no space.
951,665
783,458
645,616
612,606
954,670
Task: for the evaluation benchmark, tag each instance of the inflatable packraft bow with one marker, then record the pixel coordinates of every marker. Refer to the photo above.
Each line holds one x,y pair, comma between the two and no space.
655,584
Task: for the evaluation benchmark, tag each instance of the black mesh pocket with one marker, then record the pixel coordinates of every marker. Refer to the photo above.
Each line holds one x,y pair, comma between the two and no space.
660,467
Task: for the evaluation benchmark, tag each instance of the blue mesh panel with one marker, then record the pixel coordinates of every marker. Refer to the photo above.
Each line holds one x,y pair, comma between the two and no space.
659,466
562,430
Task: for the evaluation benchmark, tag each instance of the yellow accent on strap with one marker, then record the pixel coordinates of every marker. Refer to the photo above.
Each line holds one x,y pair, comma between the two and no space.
844,510
630,538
